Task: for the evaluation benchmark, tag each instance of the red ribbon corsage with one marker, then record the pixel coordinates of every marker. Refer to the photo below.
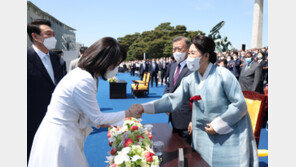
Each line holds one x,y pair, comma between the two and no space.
194,98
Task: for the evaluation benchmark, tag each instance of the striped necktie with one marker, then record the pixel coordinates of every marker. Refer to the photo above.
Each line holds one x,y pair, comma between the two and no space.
177,74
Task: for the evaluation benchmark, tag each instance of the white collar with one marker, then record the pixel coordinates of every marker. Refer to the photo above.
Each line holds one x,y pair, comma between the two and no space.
206,72
183,63
204,77
39,52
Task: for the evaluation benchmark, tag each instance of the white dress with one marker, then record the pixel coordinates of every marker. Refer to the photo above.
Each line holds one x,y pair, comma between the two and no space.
60,137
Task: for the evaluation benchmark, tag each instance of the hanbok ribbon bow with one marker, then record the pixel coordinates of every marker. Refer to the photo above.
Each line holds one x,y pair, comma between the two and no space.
194,98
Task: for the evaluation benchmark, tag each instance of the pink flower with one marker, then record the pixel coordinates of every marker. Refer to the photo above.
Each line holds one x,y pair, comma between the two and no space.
113,151
113,165
128,142
133,128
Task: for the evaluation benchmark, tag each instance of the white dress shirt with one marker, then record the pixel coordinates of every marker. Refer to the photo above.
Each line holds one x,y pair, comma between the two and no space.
46,62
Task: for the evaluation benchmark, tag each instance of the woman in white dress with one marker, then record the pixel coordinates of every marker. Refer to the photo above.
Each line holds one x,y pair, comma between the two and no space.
60,137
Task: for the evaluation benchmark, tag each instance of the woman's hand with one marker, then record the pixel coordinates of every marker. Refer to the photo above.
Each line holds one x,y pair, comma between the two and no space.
209,129
136,110
190,128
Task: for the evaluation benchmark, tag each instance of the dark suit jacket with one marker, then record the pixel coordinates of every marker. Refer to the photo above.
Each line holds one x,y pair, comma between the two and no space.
167,74
264,63
153,71
39,87
234,67
251,79
180,119
142,69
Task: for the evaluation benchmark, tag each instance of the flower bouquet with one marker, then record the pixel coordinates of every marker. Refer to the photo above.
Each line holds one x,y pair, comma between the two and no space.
114,79
131,146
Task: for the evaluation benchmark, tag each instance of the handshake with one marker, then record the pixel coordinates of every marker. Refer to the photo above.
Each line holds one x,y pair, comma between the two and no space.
136,111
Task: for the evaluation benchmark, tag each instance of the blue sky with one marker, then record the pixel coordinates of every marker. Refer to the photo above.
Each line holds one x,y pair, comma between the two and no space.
94,19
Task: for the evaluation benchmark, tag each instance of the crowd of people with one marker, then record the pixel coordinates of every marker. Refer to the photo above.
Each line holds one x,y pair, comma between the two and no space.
250,67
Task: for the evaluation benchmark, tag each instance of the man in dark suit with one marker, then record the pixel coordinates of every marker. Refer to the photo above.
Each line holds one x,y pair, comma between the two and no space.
180,119
44,71
133,68
163,68
143,68
251,75
153,69
234,65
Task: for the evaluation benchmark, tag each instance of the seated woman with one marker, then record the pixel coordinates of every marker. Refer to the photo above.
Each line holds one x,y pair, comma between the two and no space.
221,127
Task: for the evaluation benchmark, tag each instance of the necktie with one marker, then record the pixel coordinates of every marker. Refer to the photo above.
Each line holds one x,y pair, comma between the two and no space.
48,67
177,74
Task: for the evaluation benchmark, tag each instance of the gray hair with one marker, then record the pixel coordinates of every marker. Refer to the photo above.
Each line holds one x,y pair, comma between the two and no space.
179,38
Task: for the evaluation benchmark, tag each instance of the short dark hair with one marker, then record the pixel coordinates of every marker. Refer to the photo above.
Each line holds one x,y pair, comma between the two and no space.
57,51
101,55
250,53
205,45
33,27
235,53
223,60
82,49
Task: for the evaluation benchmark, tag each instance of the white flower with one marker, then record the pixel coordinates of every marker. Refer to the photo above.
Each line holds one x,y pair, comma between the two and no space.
155,161
119,159
136,157
110,158
125,150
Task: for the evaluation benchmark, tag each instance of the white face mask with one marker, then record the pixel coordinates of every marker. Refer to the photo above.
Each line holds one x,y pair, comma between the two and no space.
50,43
193,63
179,56
228,59
112,73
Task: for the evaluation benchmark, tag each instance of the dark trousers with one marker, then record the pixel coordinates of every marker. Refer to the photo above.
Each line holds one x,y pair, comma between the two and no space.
163,77
132,72
142,75
184,134
154,78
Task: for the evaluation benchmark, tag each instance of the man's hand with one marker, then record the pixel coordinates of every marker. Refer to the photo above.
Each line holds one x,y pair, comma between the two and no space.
190,128
209,129
136,110
103,126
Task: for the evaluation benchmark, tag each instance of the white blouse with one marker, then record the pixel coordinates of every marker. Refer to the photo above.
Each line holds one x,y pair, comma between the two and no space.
74,101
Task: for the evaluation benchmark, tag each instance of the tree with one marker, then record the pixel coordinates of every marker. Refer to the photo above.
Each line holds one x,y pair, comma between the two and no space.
156,43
